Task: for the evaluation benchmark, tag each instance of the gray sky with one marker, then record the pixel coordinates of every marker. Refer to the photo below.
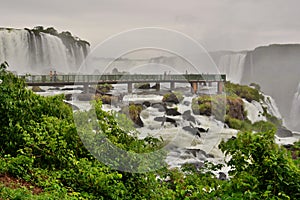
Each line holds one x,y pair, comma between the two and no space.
216,24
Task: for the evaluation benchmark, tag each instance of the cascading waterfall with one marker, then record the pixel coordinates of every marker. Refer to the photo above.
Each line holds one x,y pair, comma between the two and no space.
36,53
295,111
233,66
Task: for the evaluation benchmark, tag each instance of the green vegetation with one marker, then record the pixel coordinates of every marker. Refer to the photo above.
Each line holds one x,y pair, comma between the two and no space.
41,147
210,105
104,88
256,86
260,168
242,91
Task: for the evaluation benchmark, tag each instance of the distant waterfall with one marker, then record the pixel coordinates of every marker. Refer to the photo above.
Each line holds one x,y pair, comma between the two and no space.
233,66
31,52
295,111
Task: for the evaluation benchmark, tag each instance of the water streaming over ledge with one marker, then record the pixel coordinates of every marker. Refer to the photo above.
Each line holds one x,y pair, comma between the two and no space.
233,66
32,52
295,111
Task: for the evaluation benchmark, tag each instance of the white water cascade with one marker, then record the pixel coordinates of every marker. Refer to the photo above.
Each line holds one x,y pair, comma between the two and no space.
295,111
233,66
31,52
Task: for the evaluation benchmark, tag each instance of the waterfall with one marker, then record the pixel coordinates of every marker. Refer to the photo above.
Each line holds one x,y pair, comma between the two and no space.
37,53
233,66
271,106
295,111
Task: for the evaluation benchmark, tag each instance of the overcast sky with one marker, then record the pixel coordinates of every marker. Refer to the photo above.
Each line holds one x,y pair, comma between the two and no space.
216,24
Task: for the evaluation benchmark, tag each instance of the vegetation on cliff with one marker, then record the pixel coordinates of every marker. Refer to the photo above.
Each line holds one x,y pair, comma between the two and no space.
67,38
234,113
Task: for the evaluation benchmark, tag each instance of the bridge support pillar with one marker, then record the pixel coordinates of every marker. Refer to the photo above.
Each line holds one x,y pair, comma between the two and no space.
86,88
220,87
194,87
129,88
157,86
172,85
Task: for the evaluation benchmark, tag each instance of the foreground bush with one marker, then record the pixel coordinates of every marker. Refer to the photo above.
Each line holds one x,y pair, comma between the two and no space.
260,169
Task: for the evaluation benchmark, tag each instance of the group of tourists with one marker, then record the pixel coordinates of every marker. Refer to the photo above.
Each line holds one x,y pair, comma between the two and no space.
53,76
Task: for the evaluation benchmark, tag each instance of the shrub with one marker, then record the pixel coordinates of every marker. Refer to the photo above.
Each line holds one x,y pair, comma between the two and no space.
242,91
260,168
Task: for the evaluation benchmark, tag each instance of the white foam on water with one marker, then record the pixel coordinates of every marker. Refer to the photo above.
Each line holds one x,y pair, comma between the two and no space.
254,111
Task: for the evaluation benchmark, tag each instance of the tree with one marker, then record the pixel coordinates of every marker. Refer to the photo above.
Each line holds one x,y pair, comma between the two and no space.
260,168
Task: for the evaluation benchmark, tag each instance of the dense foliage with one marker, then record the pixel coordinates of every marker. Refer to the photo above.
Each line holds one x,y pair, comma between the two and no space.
260,168
243,91
41,146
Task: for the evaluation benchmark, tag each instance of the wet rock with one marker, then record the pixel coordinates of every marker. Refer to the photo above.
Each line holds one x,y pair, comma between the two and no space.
203,130
186,103
143,86
146,104
198,165
103,88
54,88
197,152
67,89
155,86
71,105
160,106
222,176
37,89
70,89
188,116
133,111
170,98
195,130
165,119
190,129
284,132
233,138
138,122
85,97
68,97
172,112
288,146
210,155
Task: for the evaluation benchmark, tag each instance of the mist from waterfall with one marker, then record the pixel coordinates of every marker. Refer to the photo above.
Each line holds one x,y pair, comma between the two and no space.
233,66
295,111
37,53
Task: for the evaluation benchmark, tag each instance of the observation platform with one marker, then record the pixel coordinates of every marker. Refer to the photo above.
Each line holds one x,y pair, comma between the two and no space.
86,80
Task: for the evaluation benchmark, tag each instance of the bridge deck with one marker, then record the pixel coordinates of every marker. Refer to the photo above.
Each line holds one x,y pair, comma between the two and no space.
46,80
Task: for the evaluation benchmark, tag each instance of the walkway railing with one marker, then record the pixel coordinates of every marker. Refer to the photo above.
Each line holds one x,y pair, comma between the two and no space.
125,78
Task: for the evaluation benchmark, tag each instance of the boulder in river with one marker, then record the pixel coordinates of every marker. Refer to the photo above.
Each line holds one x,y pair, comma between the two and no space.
170,98
165,119
37,89
133,111
283,132
188,116
172,112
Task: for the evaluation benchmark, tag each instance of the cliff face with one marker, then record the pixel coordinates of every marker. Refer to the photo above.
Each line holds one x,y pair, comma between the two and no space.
276,68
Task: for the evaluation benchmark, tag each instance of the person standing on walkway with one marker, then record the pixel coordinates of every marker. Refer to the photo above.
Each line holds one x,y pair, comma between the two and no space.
55,76
51,76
